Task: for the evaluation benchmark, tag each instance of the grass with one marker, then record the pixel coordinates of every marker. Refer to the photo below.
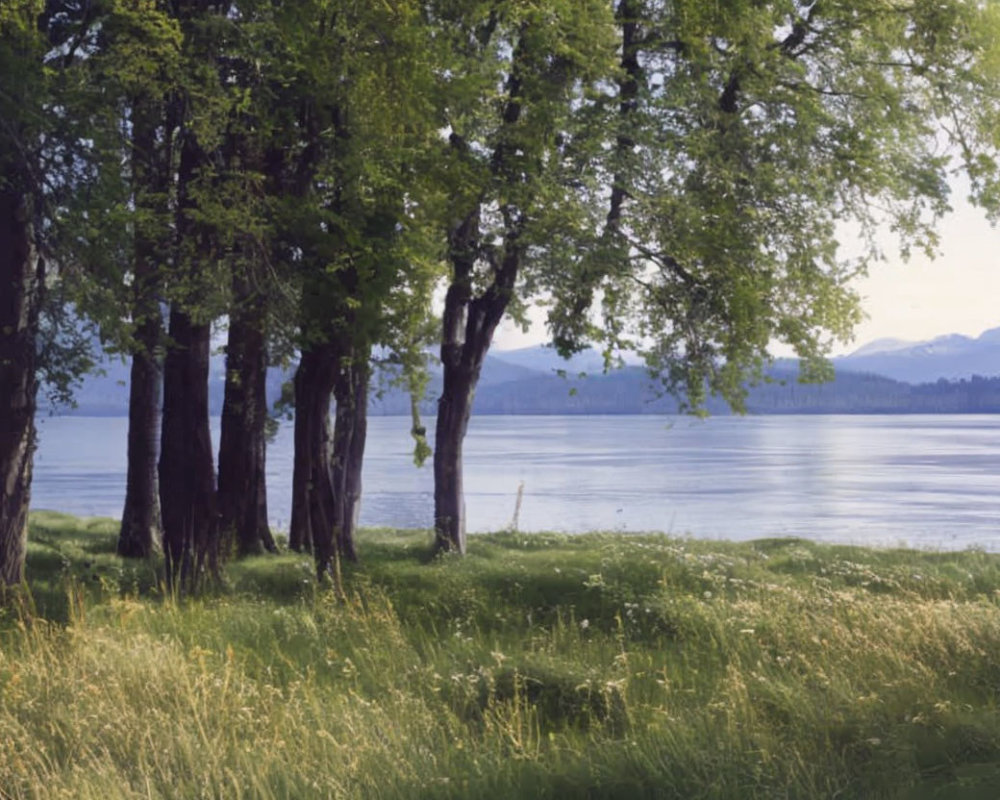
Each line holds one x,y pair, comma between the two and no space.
541,666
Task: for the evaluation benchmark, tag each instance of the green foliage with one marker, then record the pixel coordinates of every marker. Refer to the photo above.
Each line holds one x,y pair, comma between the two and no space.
756,132
342,103
50,135
540,665
522,141
328,133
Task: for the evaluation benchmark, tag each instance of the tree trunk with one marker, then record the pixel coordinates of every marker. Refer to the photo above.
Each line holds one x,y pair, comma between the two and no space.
243,439
454,410
352,479
469,321
462,359
22,281
468,324
312,486
299,529
350,433
140,530
187,470
188,501
326,483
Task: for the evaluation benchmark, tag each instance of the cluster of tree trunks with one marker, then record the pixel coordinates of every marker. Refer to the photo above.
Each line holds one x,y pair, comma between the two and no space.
326,479
332,214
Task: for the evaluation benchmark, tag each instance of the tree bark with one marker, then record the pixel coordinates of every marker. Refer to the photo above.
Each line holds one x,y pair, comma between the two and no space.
326,482
187,464
22,281
141,528
463,363
469,320
243,439
352,480
350,434
468,325
454,410
299,528
187,470
312,484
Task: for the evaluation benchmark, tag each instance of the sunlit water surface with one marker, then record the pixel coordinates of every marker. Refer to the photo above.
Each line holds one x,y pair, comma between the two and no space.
928,481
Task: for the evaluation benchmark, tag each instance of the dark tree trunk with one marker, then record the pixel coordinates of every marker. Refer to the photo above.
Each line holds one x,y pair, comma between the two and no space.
312,484
299,528
140,530
22,282
187,464
349,437
468,325
470,319
243,439
454,410
326,483
187,468
462,362
352,478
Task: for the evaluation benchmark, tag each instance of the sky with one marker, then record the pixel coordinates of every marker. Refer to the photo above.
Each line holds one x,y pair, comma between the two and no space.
957,292
915,300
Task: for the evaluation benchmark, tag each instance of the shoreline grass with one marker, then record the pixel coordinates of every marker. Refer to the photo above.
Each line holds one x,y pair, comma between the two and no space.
540,665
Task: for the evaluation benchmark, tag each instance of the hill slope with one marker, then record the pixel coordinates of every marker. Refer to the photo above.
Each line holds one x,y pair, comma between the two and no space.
952,357
883,377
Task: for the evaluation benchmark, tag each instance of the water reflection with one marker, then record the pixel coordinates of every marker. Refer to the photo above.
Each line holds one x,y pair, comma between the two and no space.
930,481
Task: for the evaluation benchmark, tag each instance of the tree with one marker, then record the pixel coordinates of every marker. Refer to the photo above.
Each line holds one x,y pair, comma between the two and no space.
191,540
139,56
513,166
44,171
751,132
351,230
249,181
140,530
243,432
22,271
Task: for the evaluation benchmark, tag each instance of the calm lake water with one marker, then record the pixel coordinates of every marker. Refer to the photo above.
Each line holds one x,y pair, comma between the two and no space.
927,481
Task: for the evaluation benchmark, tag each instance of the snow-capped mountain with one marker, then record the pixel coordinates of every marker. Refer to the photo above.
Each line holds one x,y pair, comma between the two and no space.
952,357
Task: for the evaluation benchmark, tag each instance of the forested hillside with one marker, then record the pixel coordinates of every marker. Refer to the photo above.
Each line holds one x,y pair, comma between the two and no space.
507,388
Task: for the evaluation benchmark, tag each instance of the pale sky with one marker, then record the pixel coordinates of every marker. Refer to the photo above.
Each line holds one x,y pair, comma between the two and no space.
957,292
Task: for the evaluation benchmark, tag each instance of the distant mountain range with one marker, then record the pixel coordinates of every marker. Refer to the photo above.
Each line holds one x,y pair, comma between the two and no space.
951,357
948,374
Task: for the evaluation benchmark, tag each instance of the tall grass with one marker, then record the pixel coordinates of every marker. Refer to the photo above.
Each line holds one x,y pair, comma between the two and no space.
538,666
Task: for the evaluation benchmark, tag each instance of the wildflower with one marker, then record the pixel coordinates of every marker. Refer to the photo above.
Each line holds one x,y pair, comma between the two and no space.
584,624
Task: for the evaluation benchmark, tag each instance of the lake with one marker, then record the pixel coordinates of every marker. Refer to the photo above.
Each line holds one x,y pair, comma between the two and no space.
926,481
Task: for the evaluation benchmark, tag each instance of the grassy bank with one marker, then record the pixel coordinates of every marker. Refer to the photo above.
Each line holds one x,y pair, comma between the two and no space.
539,666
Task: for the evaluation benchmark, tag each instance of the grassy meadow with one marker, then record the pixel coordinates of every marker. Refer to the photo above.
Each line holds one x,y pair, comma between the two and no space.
539,666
